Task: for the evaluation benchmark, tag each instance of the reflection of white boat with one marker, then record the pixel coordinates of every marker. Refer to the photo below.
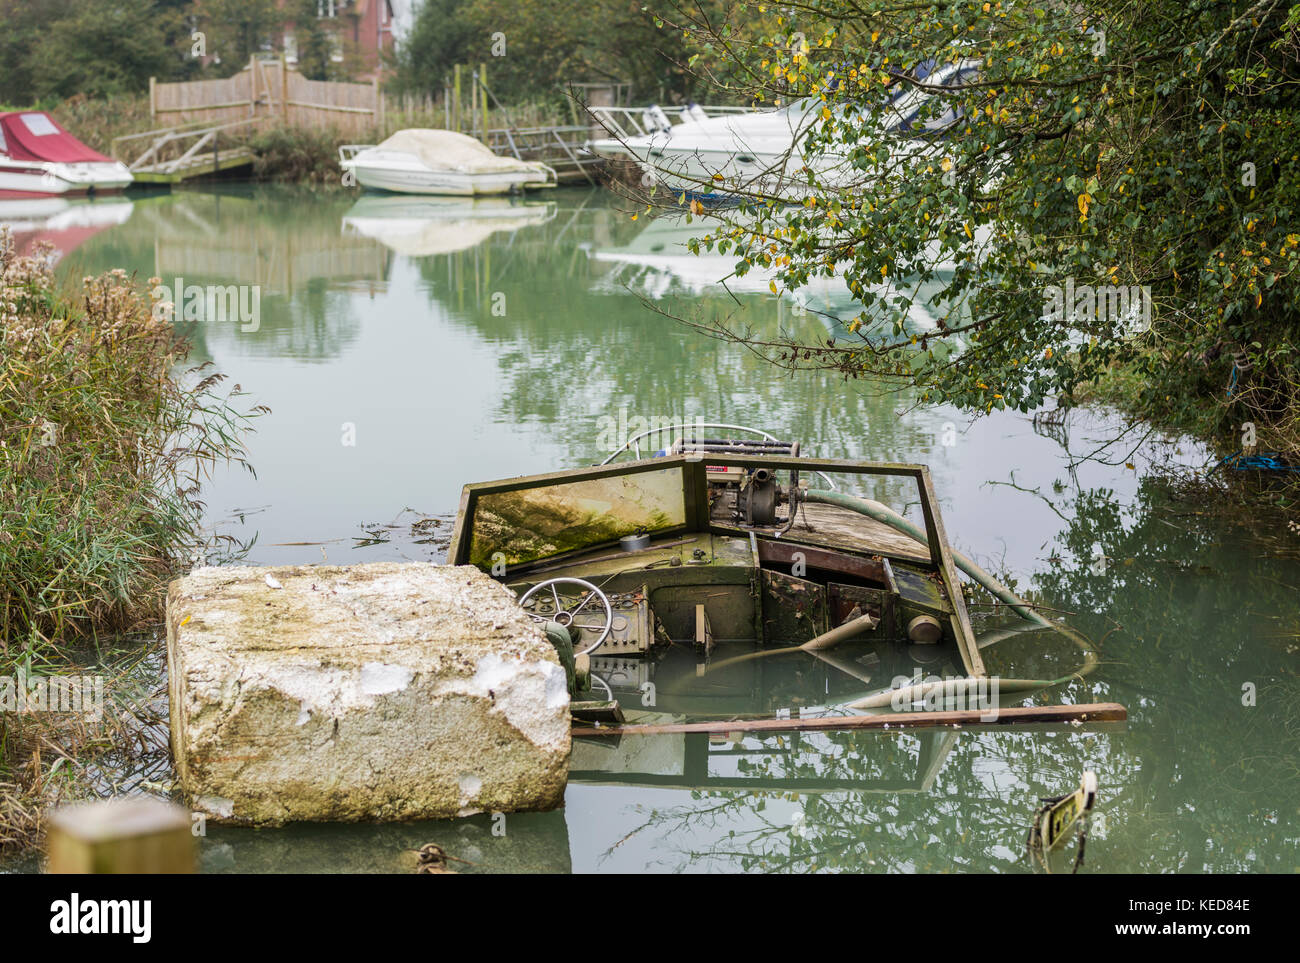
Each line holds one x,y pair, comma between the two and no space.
762,152
39,158
64,222
421,161
658,264
424,226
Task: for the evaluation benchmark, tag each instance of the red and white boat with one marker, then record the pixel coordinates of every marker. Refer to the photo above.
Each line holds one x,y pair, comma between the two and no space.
39,158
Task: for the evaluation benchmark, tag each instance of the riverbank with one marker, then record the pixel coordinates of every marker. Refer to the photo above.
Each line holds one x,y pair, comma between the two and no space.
1255,484
289,155
104,443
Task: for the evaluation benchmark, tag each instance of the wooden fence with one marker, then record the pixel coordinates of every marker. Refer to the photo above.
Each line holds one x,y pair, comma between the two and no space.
270,90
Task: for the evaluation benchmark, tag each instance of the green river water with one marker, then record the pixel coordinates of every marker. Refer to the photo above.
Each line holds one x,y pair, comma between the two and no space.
454,341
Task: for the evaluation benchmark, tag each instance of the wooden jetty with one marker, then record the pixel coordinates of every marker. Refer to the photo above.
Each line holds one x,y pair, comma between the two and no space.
204,125
174,154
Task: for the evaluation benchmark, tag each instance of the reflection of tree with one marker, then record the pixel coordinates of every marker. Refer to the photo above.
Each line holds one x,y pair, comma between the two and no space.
573,346
286,242
972,813
1204,614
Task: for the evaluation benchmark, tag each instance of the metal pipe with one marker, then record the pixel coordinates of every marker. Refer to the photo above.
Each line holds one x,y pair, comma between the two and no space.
841,633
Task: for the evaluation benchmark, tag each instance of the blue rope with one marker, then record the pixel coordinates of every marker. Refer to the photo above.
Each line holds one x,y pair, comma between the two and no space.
1266,461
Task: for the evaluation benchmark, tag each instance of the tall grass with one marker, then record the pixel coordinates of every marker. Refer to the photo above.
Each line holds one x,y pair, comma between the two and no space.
103,447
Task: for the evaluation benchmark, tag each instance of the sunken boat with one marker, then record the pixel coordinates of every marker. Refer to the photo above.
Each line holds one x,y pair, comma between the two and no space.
671,575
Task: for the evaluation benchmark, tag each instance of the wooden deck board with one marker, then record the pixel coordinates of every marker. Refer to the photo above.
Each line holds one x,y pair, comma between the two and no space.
840,528
197,167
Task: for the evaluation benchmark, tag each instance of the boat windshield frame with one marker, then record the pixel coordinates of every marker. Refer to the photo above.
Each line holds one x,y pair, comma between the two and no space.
694,468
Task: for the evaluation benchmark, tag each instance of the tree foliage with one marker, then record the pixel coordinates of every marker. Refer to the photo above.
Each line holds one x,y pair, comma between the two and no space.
99,48
534,48
1147,145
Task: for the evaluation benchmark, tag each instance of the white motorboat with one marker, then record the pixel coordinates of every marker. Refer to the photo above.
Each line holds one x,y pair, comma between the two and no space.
38,158
424,161
762,151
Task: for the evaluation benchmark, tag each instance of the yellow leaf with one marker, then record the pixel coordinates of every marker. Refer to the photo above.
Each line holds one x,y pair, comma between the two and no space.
772,285
966,227
1084,201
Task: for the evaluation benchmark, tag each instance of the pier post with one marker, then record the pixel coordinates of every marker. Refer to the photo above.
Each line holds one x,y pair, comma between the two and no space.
129,835
455,93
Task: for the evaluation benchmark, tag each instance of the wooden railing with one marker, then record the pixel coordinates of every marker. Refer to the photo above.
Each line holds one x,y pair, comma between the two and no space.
173,154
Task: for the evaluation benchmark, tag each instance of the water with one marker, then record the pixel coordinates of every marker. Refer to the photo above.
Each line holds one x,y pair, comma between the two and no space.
458,342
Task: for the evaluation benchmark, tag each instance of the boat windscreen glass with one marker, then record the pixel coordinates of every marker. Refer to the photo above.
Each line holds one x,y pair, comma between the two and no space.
539,521
39,125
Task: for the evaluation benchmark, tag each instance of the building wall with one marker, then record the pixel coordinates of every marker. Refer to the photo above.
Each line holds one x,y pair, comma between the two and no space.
366,29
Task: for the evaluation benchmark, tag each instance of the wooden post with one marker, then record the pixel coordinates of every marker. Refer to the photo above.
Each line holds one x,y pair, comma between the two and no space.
153,99
284,88
379,109
252,87
455,92
473,103
130,835
482,79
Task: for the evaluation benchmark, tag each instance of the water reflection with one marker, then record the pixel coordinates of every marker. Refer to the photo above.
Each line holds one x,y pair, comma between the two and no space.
657,264
462,347
428,226
63,222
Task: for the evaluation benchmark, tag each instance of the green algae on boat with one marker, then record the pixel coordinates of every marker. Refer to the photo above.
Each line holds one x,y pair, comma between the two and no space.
534,523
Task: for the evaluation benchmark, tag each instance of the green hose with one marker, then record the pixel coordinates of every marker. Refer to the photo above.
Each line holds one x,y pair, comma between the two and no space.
950,688
887,516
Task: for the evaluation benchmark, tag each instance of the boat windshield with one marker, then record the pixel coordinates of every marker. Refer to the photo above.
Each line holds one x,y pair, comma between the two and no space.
39,124
537,518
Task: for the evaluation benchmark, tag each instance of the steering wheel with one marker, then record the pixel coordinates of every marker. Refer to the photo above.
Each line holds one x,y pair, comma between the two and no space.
558,605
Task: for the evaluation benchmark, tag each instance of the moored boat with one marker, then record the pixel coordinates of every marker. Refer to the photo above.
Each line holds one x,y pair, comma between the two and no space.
38,158
426,161
762,151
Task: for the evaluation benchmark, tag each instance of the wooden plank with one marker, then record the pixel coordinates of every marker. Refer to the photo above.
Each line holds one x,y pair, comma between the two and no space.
597,711
1089,712
201,165
703,631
